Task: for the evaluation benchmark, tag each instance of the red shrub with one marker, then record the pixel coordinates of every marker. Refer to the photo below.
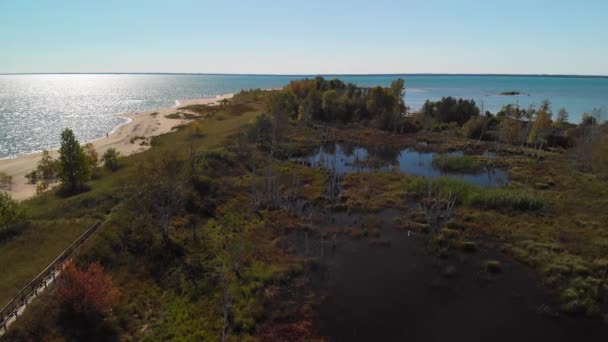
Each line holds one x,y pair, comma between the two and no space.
87,291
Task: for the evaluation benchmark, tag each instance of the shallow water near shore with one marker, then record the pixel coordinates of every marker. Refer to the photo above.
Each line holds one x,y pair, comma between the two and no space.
35,108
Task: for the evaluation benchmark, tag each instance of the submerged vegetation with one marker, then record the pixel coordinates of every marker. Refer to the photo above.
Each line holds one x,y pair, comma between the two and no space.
212,234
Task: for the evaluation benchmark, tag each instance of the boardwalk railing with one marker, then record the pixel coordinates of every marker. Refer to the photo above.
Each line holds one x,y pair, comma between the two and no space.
41,281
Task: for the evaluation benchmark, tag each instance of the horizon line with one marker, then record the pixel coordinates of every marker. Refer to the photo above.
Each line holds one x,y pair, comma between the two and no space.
304,74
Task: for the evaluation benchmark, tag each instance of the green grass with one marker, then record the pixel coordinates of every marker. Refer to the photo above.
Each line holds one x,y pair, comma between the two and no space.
449,163
23,257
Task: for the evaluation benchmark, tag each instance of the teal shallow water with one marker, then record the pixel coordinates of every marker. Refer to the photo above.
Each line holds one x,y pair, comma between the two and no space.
35,108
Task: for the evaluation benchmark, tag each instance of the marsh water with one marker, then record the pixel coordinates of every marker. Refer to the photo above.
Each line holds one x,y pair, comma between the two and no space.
346,158
397,290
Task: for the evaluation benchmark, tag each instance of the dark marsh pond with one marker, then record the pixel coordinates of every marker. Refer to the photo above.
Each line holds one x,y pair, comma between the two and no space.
346,158
394,289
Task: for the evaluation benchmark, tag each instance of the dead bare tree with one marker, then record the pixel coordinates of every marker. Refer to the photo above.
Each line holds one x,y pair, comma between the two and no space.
227,303
254,192
270,196
334,179
437,207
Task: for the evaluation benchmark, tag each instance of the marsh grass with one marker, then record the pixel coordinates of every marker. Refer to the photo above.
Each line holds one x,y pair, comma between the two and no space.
449,163
488,198
380,190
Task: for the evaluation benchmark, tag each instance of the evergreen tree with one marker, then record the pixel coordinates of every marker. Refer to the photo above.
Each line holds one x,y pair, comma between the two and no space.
74,169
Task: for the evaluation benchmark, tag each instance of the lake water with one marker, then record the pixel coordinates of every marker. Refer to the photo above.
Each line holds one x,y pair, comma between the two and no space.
35,108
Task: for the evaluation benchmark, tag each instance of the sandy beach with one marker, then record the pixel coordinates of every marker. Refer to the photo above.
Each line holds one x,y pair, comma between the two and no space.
142,124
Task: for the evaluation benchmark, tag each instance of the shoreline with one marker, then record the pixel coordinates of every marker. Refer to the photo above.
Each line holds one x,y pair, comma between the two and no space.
139,125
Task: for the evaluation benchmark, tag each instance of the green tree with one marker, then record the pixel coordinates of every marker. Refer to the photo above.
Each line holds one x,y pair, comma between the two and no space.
47,168
92,155
331,104
11,211
74,169
508,130
261,131
546,106
511,111
310,108
92,160
110,159
398,90
474,128
450,109
379,102
281,107
588,120
562,118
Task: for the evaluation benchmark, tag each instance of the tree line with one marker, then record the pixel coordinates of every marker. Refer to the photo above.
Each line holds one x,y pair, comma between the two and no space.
333,100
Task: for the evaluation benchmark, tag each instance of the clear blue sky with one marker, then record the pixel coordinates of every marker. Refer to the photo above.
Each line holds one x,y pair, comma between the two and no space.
305,36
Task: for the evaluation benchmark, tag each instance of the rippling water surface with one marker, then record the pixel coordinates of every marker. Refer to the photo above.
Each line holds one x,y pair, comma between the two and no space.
35,108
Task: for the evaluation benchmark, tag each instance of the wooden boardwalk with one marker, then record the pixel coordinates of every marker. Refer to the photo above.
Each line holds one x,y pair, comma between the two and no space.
16,306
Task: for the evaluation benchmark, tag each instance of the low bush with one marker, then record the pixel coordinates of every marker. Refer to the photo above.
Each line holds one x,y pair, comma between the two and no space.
89,291
580,297
6,181
11,211
474,128
110,159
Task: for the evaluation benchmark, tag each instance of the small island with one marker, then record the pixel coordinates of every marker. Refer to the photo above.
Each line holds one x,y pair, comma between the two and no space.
511,93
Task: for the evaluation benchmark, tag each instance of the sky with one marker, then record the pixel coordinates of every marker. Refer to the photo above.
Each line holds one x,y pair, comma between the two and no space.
305,37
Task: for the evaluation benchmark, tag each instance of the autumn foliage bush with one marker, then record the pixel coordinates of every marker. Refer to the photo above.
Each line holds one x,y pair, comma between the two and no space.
87,291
